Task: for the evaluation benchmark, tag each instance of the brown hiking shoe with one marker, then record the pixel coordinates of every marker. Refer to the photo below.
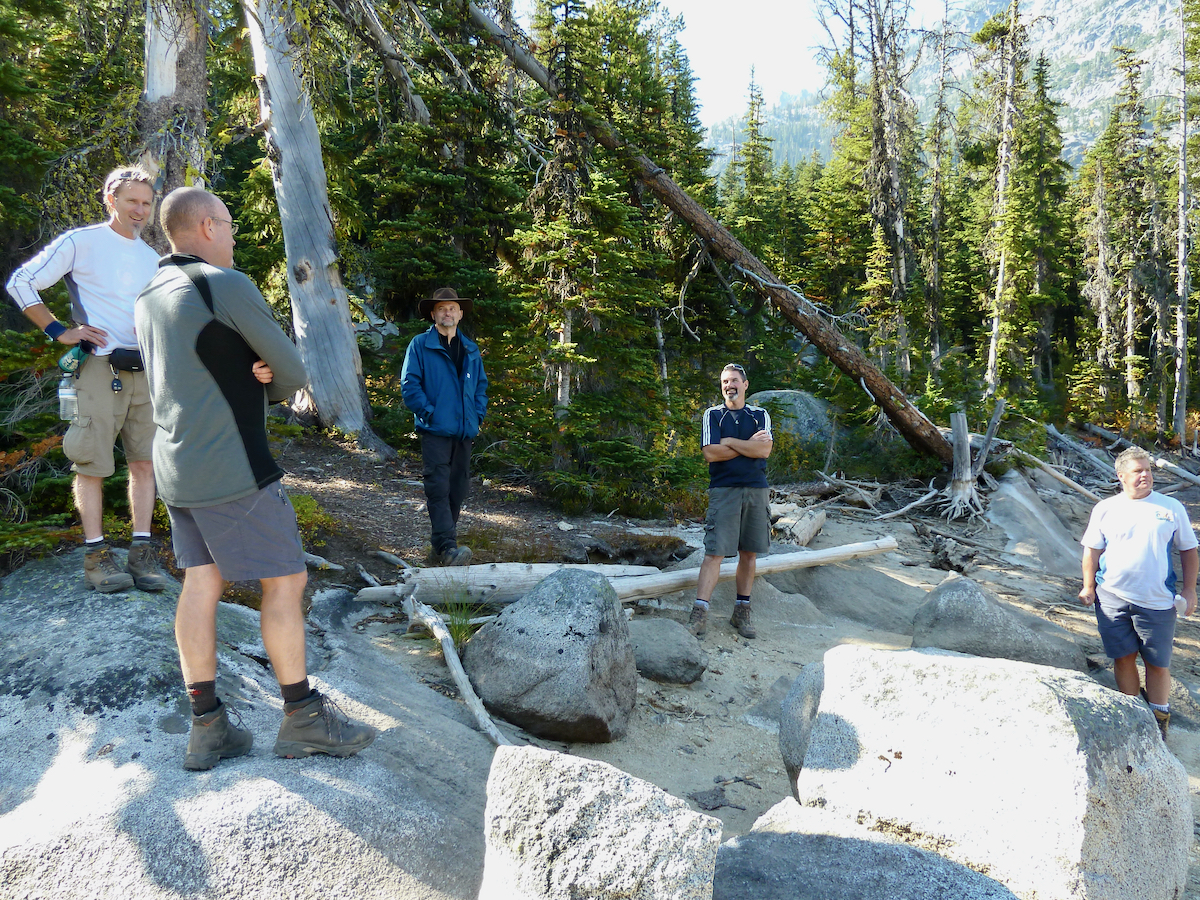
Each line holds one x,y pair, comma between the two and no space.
316,725
1163,719
143,566
697,622
740,620
101,572
457,556
213,738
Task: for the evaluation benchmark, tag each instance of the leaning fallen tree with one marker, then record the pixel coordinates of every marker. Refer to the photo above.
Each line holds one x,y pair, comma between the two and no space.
798,310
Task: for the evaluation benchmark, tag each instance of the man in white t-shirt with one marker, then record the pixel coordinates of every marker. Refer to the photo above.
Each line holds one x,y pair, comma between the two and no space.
1128,576
105,266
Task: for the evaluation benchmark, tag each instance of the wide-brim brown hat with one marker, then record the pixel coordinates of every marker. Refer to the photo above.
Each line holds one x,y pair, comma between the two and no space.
440,296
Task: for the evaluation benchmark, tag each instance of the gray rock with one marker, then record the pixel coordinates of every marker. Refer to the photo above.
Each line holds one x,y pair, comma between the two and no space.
1072,509
796,412
798,853
666,651
960,615
560,828
765,713
861,590
1050,783
1036,536
558,662
796,717
94,801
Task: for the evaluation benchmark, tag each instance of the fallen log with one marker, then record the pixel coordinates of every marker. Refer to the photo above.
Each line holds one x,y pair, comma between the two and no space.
800,526
484,583
641,587
1104,468
1056,475
1159,461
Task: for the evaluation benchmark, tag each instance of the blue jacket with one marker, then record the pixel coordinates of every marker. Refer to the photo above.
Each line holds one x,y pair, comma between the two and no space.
442,402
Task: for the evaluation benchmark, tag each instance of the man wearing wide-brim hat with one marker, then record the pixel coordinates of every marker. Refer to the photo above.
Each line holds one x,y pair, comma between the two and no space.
444,385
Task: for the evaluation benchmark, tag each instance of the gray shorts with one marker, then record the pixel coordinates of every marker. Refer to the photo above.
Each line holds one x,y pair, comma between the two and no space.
1127,628
254,537
738,519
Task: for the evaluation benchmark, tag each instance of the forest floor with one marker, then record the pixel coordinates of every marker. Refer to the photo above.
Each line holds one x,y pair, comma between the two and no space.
692,739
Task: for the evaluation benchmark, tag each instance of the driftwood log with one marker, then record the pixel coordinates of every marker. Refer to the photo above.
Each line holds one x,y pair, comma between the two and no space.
485,583
793,306
1159,461
1056,475
643,586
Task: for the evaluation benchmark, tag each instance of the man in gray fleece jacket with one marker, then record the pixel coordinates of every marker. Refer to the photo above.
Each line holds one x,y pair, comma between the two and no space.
215,356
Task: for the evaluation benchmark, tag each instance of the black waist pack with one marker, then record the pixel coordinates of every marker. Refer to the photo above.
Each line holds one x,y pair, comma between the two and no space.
126,360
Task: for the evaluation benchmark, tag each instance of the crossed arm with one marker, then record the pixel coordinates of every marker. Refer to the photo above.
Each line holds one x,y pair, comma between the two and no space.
757,447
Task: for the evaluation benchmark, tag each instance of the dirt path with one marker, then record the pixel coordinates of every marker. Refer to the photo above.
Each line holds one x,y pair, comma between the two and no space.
692,739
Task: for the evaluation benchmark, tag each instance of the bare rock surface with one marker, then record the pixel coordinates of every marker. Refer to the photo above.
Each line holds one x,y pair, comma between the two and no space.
796,717
962,616
798,413
802,853
666,651
95,803
559,662
1052,784
1036,536
560,828
865,590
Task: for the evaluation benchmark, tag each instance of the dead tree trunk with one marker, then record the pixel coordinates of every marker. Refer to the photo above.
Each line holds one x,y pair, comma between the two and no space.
320,307
794,307
1179,413
171,118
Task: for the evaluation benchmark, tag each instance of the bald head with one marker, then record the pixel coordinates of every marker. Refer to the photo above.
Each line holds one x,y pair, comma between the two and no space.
198,223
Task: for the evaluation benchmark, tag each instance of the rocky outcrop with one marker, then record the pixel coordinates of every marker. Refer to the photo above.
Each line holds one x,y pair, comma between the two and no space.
863,591
796,717
560,828
962,616
94,802
558,662
798,413
1050,783
801,852
1036,537
666,651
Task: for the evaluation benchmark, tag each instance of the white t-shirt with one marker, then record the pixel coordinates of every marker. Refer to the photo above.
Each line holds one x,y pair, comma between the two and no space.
104,272
1137,537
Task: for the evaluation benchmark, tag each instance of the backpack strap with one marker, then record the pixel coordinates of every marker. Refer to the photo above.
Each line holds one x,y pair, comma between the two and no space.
195,272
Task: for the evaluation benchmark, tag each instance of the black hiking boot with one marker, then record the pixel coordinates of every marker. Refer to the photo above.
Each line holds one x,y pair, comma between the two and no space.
214,738
316,725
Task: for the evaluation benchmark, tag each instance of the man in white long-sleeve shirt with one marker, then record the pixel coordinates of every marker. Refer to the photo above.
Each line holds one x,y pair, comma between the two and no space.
105,266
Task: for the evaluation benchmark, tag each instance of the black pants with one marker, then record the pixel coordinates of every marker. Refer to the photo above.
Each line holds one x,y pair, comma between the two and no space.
446,469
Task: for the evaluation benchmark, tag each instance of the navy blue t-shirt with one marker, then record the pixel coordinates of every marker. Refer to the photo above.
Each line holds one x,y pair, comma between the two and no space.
721,422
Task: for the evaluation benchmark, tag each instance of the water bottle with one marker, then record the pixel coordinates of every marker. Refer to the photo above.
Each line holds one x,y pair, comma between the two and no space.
68,399
1180,604
71,360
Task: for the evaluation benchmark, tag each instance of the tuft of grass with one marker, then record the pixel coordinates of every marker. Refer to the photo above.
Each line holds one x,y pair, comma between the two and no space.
457,609
312,520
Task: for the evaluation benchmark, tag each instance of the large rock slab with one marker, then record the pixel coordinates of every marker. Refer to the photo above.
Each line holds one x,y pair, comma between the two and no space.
862,590
559,662
665,651
802,853
94,801
1050,783
962,616
561,828
798,413
796,717
1036,536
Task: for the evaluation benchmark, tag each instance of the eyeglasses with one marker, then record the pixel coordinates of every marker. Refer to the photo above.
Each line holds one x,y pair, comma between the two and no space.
735,366
125,176
233,226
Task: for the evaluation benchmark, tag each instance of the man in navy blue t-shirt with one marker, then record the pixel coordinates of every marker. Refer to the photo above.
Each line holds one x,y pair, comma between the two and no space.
736,441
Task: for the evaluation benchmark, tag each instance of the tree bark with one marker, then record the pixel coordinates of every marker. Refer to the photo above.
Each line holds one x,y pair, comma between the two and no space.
320,307
171,112
362,16
1179,417
844,354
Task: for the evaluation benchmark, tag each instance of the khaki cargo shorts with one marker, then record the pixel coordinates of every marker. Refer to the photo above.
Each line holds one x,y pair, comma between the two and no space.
105,413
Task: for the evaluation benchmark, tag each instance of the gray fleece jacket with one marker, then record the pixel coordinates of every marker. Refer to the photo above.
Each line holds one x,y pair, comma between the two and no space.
211,443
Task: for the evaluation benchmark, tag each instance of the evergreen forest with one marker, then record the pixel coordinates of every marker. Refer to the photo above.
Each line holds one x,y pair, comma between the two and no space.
962,255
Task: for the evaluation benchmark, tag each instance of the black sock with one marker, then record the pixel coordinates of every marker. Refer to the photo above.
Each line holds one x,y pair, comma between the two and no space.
743,598
203,697
294,693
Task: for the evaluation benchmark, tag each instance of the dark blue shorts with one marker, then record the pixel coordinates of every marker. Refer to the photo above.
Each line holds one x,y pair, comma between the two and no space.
1127,628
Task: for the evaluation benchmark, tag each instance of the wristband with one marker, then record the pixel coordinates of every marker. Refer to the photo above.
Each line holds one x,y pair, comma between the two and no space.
54,329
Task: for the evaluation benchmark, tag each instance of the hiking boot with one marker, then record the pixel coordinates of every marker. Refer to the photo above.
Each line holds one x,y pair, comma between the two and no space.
457,556
143,566
316,725
101,572
1163,719
697,622
740,620
214,738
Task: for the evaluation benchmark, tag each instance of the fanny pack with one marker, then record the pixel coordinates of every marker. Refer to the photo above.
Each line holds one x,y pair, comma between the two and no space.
126,360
